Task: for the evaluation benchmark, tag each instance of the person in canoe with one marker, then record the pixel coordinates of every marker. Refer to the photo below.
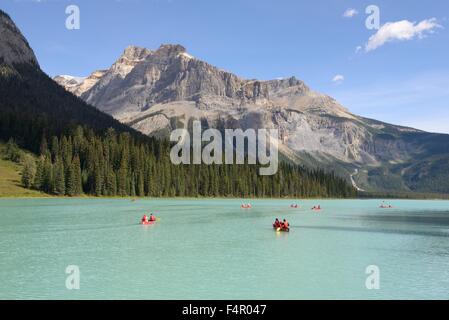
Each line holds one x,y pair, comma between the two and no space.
144,218
281,225
385,206
152,218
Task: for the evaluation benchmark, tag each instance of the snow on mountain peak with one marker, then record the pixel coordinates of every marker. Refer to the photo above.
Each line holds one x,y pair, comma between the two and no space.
78,80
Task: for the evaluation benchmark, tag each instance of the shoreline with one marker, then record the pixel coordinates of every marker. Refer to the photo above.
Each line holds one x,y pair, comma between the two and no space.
218,198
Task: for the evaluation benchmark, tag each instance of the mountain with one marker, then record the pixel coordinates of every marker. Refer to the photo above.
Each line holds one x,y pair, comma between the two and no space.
78,85
155,91
14,48
81,150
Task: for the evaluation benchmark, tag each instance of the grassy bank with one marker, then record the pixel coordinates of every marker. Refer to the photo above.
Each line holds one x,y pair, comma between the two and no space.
10,185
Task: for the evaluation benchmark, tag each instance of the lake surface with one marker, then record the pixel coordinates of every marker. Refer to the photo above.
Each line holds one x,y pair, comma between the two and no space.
213,249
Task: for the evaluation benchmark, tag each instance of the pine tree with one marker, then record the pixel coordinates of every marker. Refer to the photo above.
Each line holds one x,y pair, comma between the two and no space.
74,178
140,184
54,147
38,178
47,176
133,186
71,181
44,146
98,181
123,176
29,171
78,187
12,151
111,183
59,177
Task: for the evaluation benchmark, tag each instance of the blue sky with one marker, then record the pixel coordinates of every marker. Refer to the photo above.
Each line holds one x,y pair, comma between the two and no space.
403,80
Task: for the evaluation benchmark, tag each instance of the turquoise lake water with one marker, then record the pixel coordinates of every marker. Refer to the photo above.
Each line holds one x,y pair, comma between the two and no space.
213,249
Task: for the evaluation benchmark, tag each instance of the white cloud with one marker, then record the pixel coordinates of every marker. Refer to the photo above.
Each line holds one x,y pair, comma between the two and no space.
401,31
338,78
358,49
349,13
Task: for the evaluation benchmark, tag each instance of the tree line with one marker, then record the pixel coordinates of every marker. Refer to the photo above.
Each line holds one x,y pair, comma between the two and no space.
115,164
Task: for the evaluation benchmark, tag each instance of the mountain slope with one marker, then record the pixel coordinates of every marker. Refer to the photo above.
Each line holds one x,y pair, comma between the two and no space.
156,91
31,102
14,48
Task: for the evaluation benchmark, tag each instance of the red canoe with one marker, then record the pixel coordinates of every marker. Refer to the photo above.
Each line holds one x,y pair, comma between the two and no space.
279,229
147,222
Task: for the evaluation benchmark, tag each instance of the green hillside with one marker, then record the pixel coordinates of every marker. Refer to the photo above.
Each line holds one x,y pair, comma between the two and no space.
10,179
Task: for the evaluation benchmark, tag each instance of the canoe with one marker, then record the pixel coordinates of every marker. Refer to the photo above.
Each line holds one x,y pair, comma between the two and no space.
279,229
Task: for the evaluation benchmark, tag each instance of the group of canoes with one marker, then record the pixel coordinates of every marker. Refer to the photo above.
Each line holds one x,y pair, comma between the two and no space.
293,205
279,226
314,208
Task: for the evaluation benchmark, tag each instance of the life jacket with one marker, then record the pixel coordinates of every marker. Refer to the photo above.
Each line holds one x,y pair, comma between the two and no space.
152,218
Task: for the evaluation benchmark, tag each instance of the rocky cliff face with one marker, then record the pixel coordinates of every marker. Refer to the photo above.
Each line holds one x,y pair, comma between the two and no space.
148,89
79,85
14,48
157,91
